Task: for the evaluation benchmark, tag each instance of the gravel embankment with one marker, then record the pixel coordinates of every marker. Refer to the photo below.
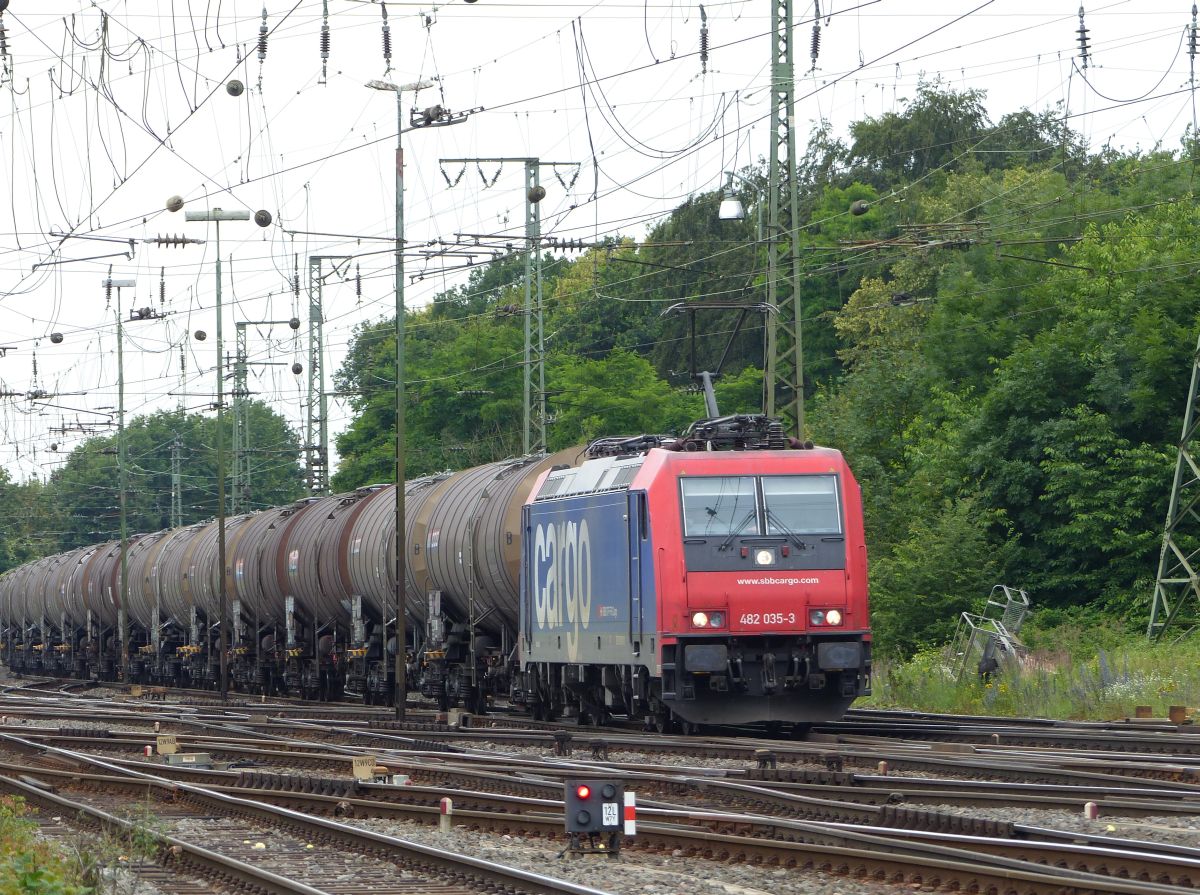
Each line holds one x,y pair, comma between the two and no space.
633,873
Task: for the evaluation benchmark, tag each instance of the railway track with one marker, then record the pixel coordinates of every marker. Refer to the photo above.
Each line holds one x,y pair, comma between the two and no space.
771,803
1039,864
309,854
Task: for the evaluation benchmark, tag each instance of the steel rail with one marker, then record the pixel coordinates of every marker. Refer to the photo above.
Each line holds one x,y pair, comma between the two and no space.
177,851
457,865
775,837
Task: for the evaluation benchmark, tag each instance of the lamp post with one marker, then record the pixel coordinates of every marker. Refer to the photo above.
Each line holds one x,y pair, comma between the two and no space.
122,473
263,219
731,209
434,116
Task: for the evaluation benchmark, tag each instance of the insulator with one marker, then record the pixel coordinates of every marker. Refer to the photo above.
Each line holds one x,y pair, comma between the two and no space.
108,291
262,38
162,287
357,282
1082,31
325,31
816,44
3,39
387,38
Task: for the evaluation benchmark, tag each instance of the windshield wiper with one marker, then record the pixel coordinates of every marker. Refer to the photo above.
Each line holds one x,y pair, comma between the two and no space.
784,530
734,532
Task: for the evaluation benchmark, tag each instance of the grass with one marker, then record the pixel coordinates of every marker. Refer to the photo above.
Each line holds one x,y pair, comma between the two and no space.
1095,673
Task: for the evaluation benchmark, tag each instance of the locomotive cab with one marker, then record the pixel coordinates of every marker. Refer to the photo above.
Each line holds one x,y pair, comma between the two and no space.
768,617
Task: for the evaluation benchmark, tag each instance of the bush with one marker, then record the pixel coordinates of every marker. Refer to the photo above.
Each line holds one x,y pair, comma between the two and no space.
1094,673
29,866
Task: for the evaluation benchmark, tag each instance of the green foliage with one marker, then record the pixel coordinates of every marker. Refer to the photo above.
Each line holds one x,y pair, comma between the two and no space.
617,395
934,131
29,866
80,503
85,488
922,585
1094,674
111,862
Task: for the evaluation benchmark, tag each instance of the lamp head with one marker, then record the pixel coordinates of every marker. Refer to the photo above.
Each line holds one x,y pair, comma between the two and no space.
731,208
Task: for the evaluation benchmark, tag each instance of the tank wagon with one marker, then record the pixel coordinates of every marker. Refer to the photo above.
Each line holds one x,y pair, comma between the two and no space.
719,577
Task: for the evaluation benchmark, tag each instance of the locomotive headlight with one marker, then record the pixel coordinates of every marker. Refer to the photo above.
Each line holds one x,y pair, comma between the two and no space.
716,619
764,557
699,619
833,617
816,617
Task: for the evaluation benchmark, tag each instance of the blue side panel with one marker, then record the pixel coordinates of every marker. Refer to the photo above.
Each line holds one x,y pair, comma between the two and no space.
580,579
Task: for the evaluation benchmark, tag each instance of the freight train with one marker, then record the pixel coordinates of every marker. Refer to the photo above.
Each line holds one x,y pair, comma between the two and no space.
715,578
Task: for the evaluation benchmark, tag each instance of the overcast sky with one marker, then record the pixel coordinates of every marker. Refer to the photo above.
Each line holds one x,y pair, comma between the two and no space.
102,118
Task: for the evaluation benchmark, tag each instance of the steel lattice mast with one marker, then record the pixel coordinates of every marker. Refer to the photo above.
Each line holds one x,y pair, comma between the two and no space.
316,429
783,378
1177,576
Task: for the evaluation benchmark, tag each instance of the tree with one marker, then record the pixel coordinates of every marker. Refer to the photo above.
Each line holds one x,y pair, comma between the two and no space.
85,487
618,395
937,129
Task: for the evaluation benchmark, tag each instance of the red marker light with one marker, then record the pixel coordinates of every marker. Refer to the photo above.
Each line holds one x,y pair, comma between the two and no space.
583,791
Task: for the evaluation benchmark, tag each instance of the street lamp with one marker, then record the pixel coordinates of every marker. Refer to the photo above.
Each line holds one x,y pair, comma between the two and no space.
122,473
435,116
263,219
731,208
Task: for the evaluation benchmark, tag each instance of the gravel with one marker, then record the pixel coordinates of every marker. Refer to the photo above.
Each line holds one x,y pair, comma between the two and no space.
633,872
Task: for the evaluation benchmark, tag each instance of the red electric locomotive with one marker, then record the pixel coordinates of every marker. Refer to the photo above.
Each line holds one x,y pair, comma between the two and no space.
717,579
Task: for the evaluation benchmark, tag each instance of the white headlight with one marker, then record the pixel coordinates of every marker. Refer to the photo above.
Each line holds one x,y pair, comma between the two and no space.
764,557
700,620
833,617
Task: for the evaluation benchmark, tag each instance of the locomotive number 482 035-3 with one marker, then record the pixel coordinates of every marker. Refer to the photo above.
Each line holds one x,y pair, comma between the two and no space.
768,618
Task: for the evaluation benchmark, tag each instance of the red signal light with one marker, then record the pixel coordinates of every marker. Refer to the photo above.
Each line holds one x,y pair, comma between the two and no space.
583,791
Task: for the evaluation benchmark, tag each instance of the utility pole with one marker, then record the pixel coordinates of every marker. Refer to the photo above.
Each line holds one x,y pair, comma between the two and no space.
784,373
433,116
122,470
316,427
241,441
1178,576
534,416
176,465
263,219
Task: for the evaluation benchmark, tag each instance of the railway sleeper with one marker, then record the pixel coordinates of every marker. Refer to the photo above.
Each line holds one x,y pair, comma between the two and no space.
802,775
936,821
325,786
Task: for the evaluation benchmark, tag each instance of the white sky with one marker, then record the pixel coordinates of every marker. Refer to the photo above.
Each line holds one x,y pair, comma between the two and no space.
82,132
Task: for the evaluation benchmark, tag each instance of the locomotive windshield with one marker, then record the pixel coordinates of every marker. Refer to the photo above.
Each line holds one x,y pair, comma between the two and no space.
801,503
751,505
720,505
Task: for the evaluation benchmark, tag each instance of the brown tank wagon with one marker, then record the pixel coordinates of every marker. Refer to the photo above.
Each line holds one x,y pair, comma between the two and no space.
310,589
